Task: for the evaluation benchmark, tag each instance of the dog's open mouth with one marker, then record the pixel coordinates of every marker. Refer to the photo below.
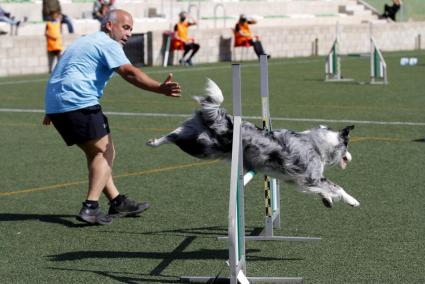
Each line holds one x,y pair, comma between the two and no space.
345,160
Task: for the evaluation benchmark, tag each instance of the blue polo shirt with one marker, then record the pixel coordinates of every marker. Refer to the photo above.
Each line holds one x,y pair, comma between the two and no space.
82,73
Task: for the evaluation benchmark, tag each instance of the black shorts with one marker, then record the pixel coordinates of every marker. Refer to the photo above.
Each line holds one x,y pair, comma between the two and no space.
80,126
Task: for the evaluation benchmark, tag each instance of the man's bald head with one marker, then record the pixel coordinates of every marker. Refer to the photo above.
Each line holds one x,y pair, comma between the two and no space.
114,15
118,24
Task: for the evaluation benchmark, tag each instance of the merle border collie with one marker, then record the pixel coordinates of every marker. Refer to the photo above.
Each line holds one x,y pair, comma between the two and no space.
297,157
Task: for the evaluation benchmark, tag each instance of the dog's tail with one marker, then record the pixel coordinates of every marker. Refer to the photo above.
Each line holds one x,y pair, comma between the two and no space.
211,101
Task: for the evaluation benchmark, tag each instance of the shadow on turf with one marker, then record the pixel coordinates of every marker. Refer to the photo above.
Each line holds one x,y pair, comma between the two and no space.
421,140
122,276
203,254
55,219
210,231
166,258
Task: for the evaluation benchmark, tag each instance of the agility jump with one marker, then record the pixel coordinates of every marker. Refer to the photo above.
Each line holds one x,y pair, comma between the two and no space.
271,185
236,226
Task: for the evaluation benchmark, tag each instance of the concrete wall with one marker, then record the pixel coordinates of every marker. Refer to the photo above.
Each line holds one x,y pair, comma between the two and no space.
27,54
198,9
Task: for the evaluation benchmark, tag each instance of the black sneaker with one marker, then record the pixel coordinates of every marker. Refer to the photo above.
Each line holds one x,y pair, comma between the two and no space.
93,216
127,207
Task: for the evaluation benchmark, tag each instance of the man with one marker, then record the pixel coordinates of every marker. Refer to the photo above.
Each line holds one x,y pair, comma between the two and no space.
180,34
72,105
244,37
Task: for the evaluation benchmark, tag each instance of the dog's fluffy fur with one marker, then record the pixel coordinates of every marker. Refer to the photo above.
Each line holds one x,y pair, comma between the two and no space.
299,157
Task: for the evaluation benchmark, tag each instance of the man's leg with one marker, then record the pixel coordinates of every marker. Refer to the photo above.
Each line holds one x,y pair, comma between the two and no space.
100,157
100,154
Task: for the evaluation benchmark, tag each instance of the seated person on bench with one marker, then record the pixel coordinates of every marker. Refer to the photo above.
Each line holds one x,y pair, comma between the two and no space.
180,34
244,37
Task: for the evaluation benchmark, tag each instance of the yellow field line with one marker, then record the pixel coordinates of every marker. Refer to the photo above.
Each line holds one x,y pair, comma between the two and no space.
176,167
150,171
372,138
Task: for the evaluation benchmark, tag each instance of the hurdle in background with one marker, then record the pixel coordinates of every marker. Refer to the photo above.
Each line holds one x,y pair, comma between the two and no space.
167,50
378,67
236,226
333,62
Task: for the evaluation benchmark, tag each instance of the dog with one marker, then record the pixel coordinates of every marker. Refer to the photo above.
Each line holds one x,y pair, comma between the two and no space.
297,157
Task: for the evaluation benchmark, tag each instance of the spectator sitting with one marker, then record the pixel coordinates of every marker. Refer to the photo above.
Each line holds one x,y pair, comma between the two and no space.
101,9
244,36
54,38
391,11
8,18
50,6
180,33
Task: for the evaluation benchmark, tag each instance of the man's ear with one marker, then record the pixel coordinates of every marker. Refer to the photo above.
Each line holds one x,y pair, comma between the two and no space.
108,26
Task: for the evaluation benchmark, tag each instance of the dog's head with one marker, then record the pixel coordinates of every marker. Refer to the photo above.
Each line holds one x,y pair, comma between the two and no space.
337,145
344,134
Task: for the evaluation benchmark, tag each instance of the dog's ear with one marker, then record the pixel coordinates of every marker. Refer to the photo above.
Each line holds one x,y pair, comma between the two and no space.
345,132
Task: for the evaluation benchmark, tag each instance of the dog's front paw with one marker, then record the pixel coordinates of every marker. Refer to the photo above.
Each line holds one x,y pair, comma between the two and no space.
354,203
327,201
350,200
151,143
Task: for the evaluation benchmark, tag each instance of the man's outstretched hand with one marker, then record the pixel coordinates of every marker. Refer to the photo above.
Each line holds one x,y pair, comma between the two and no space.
170,88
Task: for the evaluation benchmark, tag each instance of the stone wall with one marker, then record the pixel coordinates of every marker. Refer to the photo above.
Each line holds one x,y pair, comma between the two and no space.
27,54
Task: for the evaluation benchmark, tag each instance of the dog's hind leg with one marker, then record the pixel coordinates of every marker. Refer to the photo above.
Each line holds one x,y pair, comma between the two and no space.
330,192
170,138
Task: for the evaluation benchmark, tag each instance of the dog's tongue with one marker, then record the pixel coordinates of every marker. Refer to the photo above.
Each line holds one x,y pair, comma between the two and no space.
343,163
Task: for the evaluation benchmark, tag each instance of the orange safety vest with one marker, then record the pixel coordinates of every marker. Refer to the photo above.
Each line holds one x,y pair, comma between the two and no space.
182,31
242,39
53,36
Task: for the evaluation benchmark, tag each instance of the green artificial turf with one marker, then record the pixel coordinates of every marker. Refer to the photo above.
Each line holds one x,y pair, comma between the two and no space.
44,182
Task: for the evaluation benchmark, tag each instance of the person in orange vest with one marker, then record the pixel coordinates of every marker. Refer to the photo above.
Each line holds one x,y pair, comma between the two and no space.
244,36
181,35
54,38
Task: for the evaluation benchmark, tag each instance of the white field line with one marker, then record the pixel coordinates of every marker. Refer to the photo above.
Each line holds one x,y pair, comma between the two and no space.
151,114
